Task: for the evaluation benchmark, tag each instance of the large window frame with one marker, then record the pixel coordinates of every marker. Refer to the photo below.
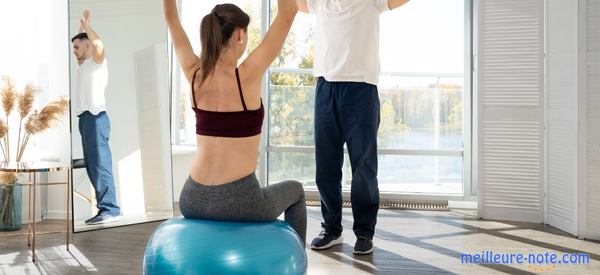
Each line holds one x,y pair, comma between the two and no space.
469,189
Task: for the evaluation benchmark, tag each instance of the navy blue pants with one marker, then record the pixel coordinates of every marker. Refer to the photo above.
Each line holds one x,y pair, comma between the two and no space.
95,132
347,112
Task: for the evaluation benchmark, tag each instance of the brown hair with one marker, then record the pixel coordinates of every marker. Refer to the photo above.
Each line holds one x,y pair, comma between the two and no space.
215,30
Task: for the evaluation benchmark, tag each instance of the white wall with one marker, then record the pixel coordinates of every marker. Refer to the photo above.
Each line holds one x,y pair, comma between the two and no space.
34,49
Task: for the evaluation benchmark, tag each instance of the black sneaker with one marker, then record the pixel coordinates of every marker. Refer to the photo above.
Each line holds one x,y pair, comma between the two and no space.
325,241
103,218
363,246
92,218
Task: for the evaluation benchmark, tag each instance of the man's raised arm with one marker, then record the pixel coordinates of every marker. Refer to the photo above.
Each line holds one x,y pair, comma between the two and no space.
302,7
98,46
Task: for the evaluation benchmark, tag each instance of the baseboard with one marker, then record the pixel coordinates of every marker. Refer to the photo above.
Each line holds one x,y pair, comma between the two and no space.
25,221
49,215
55,215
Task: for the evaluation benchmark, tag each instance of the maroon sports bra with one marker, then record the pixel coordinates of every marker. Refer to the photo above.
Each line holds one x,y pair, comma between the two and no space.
244,123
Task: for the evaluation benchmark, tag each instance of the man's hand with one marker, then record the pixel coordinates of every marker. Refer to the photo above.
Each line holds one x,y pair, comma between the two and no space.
98,46
85,22
302,6
289,8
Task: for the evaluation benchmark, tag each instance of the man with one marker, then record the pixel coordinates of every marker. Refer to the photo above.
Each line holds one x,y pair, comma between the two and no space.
94,124
347,111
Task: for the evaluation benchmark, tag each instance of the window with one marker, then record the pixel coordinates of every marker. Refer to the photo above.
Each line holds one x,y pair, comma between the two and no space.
422,101
424,106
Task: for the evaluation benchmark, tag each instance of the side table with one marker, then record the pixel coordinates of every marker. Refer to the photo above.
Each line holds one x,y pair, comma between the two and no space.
32,168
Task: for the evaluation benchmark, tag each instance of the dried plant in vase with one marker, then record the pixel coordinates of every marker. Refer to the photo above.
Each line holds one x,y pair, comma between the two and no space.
30,123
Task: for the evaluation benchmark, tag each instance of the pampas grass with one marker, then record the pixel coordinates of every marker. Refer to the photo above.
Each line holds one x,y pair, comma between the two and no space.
26,100
8,96
35,122
3,132
44,120
31,126
25,104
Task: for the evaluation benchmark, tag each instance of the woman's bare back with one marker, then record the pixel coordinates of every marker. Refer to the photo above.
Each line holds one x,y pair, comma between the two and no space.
221,160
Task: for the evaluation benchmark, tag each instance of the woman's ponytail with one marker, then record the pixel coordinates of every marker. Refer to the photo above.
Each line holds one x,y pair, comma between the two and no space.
211,38
216,29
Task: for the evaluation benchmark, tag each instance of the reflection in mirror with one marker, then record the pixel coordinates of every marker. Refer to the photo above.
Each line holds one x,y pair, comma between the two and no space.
120,113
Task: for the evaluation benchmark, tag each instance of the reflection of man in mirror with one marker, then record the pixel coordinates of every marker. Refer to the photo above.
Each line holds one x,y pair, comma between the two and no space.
94,124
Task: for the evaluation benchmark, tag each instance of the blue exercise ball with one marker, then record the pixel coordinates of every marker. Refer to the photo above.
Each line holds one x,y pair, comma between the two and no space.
193,246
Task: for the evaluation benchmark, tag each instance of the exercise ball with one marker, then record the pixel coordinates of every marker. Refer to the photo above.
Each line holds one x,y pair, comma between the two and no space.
194,246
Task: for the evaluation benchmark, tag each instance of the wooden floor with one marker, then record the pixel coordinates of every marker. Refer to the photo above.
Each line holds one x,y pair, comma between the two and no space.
407,242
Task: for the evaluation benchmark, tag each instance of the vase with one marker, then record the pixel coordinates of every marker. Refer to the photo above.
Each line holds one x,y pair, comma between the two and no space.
10,207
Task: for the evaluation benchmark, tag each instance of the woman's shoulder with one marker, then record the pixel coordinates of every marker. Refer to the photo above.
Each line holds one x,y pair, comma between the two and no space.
244,72
193,72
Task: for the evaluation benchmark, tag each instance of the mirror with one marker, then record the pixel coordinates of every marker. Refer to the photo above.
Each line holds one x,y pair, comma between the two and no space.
120,113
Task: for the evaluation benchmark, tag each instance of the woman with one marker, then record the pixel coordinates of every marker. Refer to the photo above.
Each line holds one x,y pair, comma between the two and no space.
229,114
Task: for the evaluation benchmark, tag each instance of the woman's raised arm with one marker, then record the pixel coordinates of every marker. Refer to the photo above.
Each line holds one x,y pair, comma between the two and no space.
183,48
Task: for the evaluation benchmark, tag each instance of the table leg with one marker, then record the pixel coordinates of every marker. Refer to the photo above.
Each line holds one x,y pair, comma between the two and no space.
33,210
29,211
68,203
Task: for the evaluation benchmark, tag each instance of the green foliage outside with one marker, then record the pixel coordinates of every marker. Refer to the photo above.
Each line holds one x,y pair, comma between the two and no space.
291,108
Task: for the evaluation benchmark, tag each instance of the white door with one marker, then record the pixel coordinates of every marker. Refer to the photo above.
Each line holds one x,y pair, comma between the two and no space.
510,109
562,113
592,119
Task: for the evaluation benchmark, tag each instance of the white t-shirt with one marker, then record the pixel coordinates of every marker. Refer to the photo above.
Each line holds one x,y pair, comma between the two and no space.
92,79
347,43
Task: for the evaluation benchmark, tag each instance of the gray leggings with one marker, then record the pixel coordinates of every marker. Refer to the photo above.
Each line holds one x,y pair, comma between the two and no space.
245,200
